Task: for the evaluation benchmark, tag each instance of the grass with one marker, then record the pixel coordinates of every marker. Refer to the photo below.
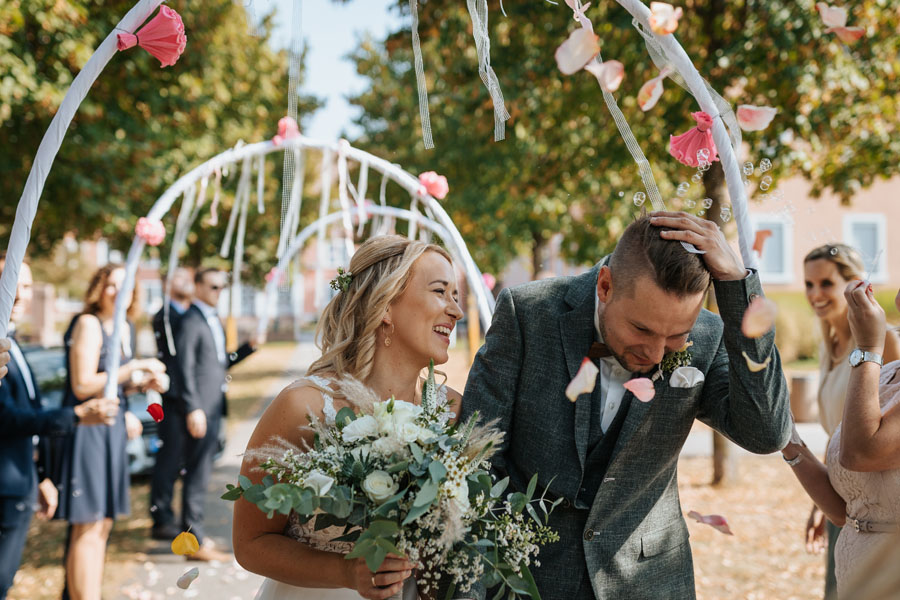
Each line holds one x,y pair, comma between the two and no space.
40,576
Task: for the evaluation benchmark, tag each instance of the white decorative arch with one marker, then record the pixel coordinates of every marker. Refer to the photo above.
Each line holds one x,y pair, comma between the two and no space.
435,219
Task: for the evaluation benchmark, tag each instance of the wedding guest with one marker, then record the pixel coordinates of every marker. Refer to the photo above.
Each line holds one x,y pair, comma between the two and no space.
92,473
203,361
827,270
172,431
860,485
22,418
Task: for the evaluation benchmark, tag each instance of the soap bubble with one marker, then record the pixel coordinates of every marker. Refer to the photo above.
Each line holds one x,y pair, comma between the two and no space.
764,186
703,155
748,168
765,165
683,188
725,214
697,177
690,203
707,202
639,198
700,213
704,165
621,194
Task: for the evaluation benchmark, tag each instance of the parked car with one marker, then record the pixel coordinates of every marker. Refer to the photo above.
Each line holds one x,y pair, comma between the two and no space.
49,368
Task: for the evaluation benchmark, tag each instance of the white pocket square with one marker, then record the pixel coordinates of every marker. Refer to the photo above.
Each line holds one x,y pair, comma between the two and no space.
686,377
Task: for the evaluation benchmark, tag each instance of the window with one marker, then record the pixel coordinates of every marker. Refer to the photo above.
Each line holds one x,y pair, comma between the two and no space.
868,234
775,263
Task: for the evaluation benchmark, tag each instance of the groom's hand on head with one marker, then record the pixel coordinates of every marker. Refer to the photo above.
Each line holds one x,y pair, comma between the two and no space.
723,262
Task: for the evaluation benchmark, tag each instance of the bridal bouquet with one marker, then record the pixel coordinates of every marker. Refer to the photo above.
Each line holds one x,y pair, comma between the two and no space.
400,480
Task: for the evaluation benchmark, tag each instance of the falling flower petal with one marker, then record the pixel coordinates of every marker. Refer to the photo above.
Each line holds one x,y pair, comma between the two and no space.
754,366
489,280
584,380
650,92
664,18
832,16
185,581
759,318
848,35
642,388
156,411
574,53
185,543
609,75
755,118
718,522
760,239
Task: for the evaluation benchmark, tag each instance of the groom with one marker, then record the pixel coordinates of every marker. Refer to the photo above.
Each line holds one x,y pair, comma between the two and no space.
612,458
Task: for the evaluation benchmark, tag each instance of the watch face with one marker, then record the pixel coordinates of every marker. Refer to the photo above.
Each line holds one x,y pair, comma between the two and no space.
856,358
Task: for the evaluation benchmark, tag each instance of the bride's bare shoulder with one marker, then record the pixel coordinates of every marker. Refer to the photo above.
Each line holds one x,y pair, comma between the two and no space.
290,412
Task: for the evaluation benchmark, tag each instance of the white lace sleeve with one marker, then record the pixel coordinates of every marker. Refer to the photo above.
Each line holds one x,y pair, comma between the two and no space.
328,402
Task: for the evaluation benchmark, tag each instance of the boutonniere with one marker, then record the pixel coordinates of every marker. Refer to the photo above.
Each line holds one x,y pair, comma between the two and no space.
674,360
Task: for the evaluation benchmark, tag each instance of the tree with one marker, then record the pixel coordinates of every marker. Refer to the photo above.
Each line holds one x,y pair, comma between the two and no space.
564,168
141,126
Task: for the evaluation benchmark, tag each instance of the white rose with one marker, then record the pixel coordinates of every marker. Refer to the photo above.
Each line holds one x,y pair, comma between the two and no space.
359,429
318,481
405,412
425,435
386,446
379,486
407,432
459,493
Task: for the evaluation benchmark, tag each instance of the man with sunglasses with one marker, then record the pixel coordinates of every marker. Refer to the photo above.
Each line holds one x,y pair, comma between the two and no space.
203,363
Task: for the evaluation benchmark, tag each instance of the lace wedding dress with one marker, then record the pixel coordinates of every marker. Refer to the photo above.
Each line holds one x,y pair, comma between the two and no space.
873,497
304,533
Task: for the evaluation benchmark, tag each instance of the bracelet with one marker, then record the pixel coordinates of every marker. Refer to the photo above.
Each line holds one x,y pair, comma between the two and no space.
793,461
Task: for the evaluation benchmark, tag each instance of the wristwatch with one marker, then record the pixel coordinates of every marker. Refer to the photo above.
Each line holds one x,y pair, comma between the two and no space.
858,357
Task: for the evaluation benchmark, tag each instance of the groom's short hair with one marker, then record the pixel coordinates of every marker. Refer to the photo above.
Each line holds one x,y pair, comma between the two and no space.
641,251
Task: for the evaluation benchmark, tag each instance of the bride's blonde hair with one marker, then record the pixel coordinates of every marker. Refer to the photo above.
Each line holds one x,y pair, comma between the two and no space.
346,333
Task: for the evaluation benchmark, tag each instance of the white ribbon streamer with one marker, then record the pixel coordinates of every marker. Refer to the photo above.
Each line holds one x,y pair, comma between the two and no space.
420,77
479,13
46,153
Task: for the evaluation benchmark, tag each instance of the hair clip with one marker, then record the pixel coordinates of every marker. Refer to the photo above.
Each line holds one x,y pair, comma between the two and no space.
342,281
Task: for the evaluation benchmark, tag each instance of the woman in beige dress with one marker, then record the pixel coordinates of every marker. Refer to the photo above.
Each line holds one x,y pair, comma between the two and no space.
860,486
827,270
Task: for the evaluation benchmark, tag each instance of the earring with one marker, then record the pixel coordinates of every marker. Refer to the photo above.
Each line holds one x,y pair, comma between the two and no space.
387,338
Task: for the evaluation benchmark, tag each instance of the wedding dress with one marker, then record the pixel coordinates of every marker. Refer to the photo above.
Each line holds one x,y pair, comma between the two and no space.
304,533
873,496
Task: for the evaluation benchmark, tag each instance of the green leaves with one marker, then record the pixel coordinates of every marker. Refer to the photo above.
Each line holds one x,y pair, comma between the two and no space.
375,543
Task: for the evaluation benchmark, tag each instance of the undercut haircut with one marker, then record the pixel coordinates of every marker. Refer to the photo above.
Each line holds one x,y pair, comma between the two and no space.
642,252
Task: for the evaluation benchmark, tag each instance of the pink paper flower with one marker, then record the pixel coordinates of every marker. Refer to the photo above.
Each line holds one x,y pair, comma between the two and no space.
755,118
489,280
584,380
433,184
642,388
609,75
163,37
287,129
717,522
651,92
685,147
759,318
579,49
152,232
664,18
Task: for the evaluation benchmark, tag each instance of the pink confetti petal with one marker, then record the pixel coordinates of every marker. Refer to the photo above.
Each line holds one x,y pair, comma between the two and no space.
584,380
755,118
848,35
664,18
642,388
832,16
651,92
574,53
433,184
717,522
609,75
759,318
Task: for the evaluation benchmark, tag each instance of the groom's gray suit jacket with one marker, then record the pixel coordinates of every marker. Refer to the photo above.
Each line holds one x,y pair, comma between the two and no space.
630,542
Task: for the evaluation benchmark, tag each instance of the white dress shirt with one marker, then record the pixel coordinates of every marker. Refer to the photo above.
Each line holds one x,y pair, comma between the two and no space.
612,378
16,354
212,319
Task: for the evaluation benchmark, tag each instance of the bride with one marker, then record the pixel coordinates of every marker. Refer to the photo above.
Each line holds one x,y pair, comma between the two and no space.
393,313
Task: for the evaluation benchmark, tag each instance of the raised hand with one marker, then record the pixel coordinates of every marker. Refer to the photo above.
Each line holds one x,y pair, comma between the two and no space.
97,411
722,261
867,320
196,423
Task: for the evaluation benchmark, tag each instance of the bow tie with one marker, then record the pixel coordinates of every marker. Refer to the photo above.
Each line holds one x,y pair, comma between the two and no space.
598,350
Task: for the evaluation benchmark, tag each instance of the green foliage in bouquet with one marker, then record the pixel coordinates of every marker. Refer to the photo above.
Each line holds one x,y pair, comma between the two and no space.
398,478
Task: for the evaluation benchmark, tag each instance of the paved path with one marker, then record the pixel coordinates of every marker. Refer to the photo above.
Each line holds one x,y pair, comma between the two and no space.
155,579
